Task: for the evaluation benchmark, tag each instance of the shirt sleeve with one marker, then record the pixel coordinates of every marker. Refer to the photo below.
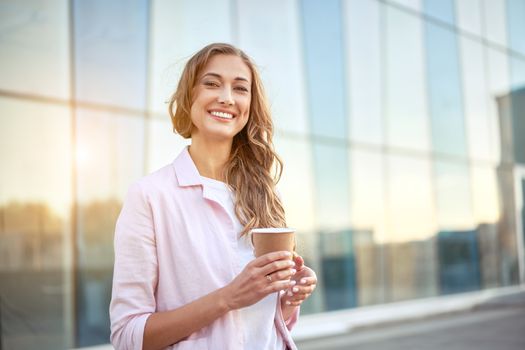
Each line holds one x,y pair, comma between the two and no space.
292,320
135,272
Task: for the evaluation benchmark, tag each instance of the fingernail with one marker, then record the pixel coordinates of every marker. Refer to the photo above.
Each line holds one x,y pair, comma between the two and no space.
288,254
292,282
303,281
289,294
294,271
288,303
295,289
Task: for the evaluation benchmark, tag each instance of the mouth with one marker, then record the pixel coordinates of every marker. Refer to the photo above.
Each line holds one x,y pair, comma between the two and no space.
222,115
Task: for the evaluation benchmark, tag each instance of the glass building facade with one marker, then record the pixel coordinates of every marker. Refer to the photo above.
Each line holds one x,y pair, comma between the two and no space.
401,124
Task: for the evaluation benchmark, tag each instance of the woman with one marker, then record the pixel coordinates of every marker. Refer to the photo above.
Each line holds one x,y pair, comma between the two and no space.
185,275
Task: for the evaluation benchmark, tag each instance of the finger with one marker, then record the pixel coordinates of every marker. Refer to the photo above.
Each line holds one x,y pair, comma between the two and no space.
275,266
266,259
299,261
278,286
307,281
293,303
301,290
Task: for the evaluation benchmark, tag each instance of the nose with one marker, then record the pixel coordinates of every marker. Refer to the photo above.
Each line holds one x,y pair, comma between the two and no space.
226,97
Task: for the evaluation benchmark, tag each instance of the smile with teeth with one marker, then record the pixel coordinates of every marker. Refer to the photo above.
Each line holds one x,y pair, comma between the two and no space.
222,115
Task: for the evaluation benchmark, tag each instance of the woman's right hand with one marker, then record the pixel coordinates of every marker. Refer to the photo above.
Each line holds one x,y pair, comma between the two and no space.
264,275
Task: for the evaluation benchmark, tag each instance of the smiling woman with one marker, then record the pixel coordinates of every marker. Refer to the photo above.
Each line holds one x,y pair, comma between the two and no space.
185,272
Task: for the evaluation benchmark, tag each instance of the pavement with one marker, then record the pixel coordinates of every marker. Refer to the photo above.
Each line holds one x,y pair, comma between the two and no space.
495,324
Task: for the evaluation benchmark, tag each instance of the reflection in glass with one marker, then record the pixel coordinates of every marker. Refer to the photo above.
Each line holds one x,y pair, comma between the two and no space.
296,190
486,214
406,107
507,236
444,91
368,224
178,29
364,100
296,183
457,240
498,85
516,25
494,18
440,9
474,82
333,222
277,51
517,73
323,50
338,272
411,4
453,196
410,200
113,158
111,51
162,144
411,252
331,187
34,45
468,16
35,192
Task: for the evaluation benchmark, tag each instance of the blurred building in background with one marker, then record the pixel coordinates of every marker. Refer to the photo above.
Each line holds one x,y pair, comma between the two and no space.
401,124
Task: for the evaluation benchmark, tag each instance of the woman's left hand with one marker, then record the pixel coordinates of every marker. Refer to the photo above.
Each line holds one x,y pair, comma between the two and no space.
306,281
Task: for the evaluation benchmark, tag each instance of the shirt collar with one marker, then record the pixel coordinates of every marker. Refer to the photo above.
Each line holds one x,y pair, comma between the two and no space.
186,171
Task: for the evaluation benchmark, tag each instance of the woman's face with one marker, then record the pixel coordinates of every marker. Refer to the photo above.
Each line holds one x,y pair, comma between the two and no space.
221,99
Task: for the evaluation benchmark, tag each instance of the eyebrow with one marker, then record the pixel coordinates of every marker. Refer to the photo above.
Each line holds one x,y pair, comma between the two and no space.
220,77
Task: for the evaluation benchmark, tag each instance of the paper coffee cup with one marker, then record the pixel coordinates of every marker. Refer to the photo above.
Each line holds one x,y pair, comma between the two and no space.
270,239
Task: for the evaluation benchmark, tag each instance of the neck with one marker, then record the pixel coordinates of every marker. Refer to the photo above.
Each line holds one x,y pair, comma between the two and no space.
210,158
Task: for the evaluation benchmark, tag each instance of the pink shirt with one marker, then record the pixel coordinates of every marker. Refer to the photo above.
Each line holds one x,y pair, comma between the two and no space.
174,243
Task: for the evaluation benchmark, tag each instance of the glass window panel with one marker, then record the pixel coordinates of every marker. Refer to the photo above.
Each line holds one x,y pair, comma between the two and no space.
34,45
486,210
494,18
368,224
111,51
508,251
410,201
110,157
411,4
163,144
468,13
364,71
453,196
406,105
474,82
518,124
297,183
323,50
516,25
517,72
411,251
498,85
331,176
336,261
412,269
444,89
35,199
297,192
277,52
440,9
180,28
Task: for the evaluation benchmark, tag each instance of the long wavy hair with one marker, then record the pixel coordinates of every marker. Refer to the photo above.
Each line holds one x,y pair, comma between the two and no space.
253,168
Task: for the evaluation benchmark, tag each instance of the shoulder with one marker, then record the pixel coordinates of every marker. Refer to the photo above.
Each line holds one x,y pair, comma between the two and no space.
159,181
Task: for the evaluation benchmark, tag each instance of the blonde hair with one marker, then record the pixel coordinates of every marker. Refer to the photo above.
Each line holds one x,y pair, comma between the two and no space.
253,168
